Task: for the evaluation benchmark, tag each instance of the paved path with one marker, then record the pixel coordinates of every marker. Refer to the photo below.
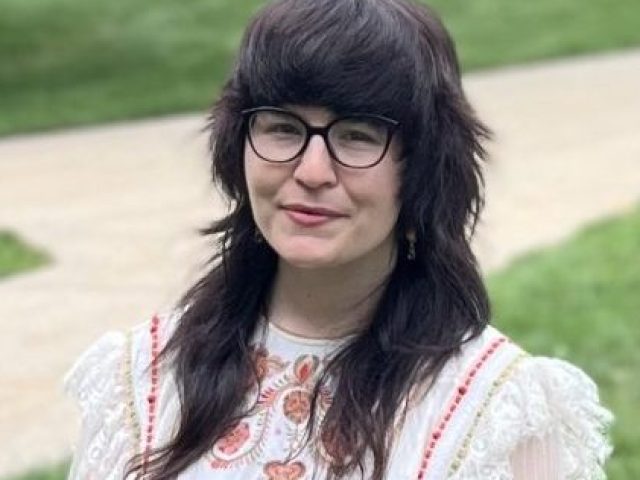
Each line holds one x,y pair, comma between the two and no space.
118,206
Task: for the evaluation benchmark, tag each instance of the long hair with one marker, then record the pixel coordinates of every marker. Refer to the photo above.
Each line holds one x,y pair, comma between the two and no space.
394,58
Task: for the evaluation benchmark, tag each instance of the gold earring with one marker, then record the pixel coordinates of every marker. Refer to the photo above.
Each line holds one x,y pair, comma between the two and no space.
411,241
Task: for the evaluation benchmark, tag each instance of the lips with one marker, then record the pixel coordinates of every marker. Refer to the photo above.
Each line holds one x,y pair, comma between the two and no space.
310,216
312,210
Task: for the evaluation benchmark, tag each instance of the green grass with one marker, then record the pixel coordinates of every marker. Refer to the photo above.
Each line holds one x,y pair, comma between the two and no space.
73,62
59,472
15,256
580,301
577,301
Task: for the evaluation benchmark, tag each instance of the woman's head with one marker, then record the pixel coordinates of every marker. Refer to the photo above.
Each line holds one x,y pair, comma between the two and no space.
386,57
322,60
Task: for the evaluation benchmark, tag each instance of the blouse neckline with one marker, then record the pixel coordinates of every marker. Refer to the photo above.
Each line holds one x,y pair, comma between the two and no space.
302,340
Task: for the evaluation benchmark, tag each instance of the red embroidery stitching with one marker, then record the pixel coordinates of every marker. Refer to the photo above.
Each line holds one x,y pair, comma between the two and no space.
453,404
153,391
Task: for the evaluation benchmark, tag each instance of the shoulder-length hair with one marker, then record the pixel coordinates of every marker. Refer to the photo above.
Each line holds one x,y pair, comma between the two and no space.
390,57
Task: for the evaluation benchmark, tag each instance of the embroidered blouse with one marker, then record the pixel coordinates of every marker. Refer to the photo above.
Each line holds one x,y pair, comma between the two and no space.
494,413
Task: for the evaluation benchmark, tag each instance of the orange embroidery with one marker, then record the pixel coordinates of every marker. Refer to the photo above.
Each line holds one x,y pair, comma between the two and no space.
260,359
305,367
283,471
266,365
232,441
297,405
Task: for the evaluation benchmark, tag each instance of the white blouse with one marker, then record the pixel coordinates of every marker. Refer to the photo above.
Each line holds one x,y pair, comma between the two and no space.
494,413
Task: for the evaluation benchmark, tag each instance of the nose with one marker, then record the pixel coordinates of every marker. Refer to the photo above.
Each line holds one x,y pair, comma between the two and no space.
315,168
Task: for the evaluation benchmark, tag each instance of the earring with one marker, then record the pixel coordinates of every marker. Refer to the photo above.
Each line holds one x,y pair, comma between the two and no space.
411,244
257,236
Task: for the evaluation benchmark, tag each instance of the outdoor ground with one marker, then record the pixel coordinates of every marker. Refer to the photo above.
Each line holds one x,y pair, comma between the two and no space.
117,207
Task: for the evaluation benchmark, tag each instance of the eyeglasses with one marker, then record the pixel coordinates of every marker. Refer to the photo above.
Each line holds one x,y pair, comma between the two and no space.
356,140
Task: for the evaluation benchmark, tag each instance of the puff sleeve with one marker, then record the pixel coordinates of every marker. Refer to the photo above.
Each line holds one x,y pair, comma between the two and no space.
97,382
545,423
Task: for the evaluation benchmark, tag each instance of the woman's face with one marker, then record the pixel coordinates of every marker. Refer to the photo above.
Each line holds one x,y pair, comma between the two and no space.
316,213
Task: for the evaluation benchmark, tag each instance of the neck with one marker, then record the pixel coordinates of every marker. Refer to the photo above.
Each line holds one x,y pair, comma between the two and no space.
331,302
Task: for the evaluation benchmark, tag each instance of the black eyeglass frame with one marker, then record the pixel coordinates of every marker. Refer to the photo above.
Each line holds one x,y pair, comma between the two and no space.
392,126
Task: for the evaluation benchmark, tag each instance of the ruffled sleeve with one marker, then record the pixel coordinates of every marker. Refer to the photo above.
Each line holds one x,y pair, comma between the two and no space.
97,382
545,423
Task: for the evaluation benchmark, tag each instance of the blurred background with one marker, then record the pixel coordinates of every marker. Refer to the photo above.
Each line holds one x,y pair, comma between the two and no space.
104,180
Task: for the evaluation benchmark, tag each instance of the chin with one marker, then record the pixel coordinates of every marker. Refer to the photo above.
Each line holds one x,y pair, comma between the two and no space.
308,256
307,261
306,252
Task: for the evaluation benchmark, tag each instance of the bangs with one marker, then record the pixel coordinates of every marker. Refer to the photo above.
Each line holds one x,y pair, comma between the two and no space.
348,56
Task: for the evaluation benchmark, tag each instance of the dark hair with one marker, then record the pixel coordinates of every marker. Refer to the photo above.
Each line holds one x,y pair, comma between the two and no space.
390,57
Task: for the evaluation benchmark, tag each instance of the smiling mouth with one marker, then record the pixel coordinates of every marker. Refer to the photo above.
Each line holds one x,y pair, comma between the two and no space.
311,210
310,216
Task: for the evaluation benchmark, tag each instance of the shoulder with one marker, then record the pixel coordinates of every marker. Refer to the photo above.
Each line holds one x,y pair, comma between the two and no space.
108,382
96,382
534,397
97,363
104,359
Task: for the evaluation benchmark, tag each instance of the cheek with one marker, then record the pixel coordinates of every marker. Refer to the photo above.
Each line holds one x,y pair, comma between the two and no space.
249,165
257,184
393,181
264,181
380,195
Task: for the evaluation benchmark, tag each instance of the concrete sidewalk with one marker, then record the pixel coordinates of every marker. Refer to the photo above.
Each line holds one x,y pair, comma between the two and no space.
117,207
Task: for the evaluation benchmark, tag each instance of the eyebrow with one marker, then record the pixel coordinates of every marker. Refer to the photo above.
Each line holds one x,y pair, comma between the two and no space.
298,110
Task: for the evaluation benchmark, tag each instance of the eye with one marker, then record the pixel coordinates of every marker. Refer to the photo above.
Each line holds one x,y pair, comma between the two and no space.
284,128
358,132
277,125
357,136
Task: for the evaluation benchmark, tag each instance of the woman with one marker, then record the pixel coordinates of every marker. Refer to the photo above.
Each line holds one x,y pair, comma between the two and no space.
342,330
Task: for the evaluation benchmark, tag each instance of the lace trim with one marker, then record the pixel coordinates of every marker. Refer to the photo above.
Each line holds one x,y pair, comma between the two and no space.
463,451
131,417
545,399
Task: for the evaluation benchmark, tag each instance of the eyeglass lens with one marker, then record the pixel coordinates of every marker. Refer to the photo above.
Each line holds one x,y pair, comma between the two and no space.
355,141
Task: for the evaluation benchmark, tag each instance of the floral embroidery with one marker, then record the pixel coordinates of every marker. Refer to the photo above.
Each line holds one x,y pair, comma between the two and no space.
286,389
232,441
284,471
297,405
304,367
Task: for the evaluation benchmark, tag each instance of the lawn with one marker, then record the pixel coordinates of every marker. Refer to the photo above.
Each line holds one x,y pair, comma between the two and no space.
73,62
58,472
16,256
578,301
